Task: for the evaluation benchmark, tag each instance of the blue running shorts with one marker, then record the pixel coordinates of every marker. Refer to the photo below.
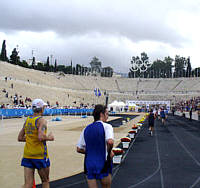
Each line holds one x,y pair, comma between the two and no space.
35,163
104,173
100,176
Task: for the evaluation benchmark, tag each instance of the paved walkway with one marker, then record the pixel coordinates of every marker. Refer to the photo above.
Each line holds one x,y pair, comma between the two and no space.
168,159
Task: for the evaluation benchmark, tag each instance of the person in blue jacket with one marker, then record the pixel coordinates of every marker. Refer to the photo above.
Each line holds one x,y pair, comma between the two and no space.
96,142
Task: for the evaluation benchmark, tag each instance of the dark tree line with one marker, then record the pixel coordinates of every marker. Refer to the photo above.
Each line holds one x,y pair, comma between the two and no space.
167,68
47,66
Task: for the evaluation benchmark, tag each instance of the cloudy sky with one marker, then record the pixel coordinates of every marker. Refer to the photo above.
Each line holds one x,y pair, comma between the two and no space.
112,30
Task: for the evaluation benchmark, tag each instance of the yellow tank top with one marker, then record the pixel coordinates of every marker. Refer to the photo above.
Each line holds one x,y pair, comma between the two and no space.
34,149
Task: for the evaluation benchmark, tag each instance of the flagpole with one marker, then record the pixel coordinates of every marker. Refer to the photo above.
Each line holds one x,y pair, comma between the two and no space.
97,95
96,99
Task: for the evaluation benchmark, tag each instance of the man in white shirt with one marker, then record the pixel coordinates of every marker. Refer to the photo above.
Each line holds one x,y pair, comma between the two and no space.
96,142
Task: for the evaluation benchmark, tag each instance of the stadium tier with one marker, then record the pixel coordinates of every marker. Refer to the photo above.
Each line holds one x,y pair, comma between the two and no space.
72,90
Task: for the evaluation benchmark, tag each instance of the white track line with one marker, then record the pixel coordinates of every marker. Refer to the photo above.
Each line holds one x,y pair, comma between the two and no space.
157,170
190,154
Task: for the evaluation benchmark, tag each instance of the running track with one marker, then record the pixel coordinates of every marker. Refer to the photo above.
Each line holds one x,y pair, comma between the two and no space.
169,159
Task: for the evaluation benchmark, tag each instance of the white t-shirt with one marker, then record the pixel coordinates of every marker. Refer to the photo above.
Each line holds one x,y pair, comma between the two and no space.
108,135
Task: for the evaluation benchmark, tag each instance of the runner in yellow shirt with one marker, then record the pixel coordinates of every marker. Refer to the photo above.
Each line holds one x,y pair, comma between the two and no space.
35,150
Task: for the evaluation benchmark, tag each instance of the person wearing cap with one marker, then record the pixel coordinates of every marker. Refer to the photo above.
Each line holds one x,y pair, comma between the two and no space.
34,134
96,142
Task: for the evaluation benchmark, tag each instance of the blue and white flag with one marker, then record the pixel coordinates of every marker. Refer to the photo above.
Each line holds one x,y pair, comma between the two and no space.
99,92
95,91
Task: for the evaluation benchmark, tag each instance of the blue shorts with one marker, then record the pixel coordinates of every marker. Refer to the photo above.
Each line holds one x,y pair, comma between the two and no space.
35,163
100,176
104,173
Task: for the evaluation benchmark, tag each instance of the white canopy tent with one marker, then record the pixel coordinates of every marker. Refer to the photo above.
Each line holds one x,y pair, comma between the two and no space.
116,106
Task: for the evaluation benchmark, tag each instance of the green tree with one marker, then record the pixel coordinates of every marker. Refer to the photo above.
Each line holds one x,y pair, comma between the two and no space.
47,65
24,64
14,58
3,55
180,63
78,69
33,63
61,68
51,68
108,71
55,66
168,66
161,68
196,72
189,67
158,69
71,68
95,61
96,65
40,66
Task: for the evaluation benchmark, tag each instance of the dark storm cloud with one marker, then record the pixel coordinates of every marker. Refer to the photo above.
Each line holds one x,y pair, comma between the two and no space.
112,30
132,20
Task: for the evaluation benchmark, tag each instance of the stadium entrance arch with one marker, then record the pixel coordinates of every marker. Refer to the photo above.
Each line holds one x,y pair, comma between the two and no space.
148,104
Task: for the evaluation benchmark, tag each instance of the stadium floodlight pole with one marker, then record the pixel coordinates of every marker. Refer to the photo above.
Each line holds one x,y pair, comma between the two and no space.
32,53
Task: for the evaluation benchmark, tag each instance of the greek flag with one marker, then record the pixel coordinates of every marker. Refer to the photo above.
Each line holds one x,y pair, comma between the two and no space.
95,91
99,92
